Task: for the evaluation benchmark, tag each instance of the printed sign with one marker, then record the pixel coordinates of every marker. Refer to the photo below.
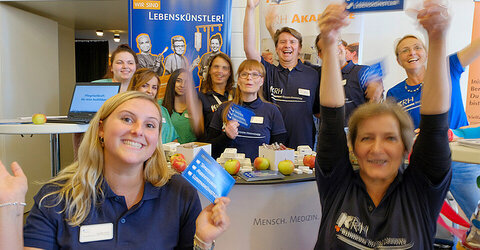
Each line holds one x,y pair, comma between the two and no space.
373,5
172,34
208,177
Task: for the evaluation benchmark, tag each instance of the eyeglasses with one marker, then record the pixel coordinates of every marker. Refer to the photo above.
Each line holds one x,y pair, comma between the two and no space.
244,75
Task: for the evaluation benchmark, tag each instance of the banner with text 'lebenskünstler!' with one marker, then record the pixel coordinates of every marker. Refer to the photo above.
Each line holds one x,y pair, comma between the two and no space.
172,34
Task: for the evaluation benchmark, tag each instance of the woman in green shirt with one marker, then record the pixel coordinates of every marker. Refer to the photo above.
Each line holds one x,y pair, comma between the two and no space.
177,94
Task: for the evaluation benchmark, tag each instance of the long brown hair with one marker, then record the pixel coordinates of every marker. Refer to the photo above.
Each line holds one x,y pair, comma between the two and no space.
248,64
169,99
142,76
120,48
207,84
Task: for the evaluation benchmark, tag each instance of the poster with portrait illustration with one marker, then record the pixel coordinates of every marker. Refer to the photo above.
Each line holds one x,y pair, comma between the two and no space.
172,34
303,16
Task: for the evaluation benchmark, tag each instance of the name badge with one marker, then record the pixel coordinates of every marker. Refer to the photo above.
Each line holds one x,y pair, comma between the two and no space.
164,120
96,232
256,119
186,115
304,92
344,82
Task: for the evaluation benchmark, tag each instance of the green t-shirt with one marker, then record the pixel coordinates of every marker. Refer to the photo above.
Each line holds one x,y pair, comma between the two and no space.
168,130
182,126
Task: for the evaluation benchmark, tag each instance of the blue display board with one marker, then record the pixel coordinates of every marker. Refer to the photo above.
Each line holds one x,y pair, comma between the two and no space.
373,5
171,34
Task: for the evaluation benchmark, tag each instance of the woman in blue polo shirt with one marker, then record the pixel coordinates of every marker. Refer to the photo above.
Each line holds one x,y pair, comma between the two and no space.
147,81
266,125
119,194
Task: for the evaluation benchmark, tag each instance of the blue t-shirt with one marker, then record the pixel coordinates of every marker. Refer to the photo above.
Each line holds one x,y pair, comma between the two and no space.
296,93
406,216
266,122
163,219
409,96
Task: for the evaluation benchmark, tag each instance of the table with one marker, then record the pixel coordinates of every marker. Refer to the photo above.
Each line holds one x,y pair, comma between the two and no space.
465,154
54,129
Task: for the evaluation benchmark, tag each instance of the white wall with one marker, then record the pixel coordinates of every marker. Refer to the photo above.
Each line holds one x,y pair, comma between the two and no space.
28,84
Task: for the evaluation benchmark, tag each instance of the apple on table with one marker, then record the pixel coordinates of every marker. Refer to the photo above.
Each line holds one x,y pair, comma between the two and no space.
261,163
286,167
309,160
232,166
39,119
178,164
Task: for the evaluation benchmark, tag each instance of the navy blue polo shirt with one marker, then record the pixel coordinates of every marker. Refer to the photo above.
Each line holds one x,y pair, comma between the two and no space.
406,216
163,219
210,105
355,86
296,93
266,122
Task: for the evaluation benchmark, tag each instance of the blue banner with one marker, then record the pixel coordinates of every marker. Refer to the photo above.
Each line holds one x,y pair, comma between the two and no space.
373,5
171,34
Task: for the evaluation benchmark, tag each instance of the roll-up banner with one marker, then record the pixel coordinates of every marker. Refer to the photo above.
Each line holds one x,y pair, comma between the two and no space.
172,34
473,89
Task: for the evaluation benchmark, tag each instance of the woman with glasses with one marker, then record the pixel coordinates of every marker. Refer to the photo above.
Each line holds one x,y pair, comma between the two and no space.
266,124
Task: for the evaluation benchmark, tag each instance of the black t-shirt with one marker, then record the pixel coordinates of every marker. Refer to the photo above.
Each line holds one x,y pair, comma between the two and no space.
406,217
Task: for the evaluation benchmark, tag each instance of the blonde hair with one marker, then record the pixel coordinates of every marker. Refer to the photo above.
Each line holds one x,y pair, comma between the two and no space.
369,110
80,183
397,43
248,64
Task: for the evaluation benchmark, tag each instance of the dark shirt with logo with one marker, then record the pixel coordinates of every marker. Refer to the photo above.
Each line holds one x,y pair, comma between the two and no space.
406,216
296,93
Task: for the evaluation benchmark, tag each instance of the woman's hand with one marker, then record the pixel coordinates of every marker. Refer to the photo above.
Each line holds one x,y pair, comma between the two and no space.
252,3
434,18
231,129
213,220
12,188
333,18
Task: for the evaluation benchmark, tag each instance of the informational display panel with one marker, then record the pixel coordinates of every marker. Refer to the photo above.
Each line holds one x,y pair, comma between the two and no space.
473,89
172,34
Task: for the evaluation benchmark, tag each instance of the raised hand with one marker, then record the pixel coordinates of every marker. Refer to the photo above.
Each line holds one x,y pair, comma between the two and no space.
252,3
12,188
434,18
333,18
213,220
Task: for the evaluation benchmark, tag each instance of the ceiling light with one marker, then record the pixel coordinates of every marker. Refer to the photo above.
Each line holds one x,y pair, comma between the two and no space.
99,32
116,38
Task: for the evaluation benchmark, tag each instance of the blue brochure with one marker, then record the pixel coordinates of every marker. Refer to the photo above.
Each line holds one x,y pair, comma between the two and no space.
208,177
373,5
374,71
240,114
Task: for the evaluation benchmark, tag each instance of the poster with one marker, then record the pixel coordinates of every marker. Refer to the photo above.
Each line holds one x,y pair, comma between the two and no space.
172,34
473,86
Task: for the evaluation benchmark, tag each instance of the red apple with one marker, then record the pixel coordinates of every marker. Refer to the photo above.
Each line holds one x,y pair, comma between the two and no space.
261,163
286,167
177,155
179,164
309,160
232,166
39,119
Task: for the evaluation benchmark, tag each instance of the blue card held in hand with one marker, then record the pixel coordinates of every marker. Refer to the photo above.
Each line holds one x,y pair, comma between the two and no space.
373,5
208,177
240,114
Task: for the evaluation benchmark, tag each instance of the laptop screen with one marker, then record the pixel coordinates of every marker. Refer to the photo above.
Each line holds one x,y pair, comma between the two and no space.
88,98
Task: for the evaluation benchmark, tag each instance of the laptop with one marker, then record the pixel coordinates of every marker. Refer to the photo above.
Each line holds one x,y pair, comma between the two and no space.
86,101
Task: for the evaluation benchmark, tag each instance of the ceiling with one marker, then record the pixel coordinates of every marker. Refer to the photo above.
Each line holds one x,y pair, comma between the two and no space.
109,15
